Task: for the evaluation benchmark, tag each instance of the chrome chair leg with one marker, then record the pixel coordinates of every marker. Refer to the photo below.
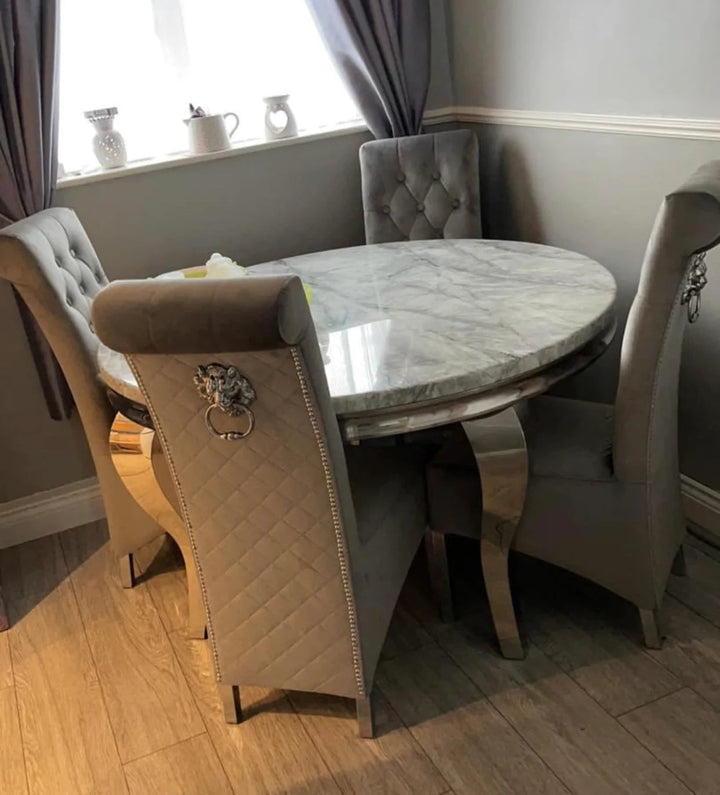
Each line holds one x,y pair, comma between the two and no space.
4,619
127,571
133,450
679,566
365,718
498,444
439,573
651,627
232,708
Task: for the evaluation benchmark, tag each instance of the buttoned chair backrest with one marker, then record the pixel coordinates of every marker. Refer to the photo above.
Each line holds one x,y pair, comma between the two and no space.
270,515
50,261
645,446
421,187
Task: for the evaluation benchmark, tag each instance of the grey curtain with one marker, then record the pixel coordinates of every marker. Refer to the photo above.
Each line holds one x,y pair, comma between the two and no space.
382,50
29,35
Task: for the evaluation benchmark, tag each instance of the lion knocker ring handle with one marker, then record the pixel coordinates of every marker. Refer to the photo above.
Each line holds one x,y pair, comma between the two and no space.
226,388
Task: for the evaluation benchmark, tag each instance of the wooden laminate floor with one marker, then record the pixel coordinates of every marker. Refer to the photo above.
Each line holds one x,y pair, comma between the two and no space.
102,692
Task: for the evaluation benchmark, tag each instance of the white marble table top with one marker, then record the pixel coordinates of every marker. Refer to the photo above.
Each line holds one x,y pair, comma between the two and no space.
407,324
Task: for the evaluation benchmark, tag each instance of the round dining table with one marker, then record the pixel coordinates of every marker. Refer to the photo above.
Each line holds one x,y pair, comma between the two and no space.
422,334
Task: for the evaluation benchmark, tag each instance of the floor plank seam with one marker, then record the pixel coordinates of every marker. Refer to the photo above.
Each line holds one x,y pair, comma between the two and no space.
22,737
90,651
164,748
198,705
657,758
312,742
512,727
616,718
577,681
652,701
409,731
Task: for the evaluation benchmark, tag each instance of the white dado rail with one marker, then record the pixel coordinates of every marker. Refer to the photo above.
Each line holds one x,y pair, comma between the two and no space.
656,126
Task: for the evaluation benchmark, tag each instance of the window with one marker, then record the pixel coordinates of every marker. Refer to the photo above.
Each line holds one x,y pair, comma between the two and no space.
151,58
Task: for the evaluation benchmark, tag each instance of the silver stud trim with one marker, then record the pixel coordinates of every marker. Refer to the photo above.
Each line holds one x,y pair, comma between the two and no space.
185,514
337,522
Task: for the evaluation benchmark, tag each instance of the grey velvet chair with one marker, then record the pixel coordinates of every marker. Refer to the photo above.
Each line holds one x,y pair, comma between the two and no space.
421,187
50,261
301,546
603,497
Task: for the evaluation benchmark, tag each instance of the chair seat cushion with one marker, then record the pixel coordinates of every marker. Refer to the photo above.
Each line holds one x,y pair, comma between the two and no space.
566,439
569,438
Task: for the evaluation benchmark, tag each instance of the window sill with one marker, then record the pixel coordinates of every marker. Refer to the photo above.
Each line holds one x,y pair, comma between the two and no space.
186,158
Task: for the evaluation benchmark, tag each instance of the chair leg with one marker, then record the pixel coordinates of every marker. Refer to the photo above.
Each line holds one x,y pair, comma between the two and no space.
651,628
127,571
498,444
439,573
232,708
679,567
4,620
365,718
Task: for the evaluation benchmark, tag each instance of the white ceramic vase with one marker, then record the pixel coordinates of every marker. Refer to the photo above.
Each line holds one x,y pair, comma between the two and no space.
108,144
279,119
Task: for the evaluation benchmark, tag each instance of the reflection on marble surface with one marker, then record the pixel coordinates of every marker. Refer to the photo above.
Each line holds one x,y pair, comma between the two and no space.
408,323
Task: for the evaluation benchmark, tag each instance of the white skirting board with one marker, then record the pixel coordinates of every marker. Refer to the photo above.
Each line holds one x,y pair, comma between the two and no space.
52,511
78,503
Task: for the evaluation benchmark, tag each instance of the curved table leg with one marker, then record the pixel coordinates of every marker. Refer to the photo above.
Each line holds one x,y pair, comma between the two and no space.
498,443
133,449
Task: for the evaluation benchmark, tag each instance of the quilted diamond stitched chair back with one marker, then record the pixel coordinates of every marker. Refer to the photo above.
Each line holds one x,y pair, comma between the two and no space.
300,574
50,261
269,515
421,187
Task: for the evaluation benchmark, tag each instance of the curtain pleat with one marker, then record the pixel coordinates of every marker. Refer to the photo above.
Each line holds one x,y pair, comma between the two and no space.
382,50
29,34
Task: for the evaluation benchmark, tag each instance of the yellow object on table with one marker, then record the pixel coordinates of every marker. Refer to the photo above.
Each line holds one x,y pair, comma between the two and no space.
220,267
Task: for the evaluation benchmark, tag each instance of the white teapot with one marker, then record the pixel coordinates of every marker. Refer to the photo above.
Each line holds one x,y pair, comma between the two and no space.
209,133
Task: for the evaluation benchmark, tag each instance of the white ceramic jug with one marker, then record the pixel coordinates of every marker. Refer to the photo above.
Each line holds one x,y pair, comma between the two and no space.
209,133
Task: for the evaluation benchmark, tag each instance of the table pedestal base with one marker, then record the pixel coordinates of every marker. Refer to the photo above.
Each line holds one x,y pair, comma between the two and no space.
498,445
135,452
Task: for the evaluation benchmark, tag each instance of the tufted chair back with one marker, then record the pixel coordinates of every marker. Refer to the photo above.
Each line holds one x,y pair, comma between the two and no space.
421,187
51,263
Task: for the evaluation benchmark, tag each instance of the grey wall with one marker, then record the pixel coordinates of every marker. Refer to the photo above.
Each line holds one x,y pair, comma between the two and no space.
598,193
253,207
625,57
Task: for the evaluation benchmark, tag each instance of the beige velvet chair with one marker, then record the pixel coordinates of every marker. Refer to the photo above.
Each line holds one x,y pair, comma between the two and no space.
50,261
603,497
421,187
301,546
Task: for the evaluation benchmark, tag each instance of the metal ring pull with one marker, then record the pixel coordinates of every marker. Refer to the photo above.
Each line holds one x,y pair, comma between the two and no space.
696,280
226,388
230,436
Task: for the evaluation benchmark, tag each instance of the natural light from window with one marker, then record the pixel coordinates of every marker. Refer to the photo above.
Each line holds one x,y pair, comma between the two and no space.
150,58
